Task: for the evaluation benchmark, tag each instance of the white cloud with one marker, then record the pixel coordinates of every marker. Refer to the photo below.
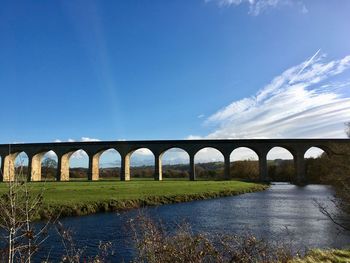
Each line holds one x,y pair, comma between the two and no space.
303,102
111,151
143,151
50,154
79,154
21,159
243,153
208,155
87,139
300,103
82,139
194,137
175,156
258,6
313,152
142,156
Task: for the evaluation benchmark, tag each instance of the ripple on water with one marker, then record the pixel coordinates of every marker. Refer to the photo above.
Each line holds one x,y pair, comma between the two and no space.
284,211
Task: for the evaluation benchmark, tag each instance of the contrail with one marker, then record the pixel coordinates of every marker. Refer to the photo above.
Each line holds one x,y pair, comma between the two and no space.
306,64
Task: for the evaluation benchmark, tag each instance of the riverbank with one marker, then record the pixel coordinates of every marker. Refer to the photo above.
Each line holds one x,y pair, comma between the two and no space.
327,255
83,198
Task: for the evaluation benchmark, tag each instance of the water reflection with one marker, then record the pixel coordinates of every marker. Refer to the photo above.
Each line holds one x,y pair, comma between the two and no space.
283,211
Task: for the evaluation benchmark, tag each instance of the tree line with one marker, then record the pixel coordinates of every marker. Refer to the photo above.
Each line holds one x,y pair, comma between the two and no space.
317,170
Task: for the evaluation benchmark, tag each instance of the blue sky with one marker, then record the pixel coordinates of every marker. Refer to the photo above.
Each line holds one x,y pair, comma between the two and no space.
109,70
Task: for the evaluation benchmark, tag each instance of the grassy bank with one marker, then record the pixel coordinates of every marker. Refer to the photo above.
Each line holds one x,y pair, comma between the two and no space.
329,256
82,198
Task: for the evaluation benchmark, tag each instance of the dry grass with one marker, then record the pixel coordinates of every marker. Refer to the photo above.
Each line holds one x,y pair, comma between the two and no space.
155,244
326,256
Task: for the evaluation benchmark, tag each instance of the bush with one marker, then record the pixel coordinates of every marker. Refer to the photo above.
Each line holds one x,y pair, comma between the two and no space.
247,169
154,244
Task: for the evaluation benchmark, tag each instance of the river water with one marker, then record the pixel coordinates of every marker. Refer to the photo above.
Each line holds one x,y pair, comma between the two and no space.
284,211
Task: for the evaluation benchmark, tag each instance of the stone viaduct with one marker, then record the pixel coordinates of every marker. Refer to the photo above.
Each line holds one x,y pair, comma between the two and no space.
64,150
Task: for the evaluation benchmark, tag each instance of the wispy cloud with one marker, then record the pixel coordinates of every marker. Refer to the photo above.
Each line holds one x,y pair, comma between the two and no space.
300,103
306,64
305,101
256,7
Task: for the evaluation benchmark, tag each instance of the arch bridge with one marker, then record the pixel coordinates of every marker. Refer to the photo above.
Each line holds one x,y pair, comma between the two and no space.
63,150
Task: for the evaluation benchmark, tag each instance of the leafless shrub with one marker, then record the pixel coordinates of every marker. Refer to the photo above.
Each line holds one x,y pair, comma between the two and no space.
337,219
19,207
154,245
338,175
336,168
20,239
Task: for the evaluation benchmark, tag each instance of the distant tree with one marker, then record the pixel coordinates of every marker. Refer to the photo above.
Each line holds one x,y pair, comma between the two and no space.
245,169
50,163
50,166
338,175
281,170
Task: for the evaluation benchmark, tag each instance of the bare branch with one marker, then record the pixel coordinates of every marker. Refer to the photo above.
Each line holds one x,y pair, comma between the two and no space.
325,211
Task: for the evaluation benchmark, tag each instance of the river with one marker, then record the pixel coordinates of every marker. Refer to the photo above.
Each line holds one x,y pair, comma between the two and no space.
284,211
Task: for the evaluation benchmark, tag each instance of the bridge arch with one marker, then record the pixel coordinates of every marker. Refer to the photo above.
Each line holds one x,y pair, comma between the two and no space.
44,165
15,166
244,163
281,164
74,163
208,163
173,148
315,152
109,162
316,160
204,149
174,156
145,159
21,165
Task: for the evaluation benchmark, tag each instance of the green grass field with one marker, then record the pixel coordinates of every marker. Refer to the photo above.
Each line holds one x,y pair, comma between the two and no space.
79,197
66,193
